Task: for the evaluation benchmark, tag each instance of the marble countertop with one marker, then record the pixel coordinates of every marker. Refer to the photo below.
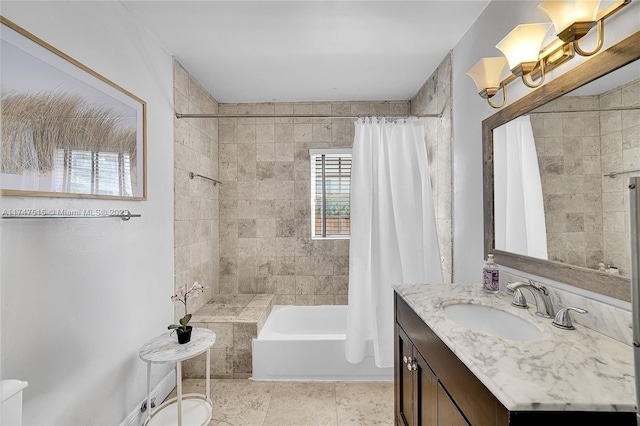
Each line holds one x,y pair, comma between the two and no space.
564,370
165,347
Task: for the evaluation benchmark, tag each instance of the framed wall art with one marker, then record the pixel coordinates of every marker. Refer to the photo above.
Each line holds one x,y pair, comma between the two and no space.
66,130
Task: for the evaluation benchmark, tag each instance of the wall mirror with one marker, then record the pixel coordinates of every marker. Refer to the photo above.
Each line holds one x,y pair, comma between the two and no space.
556,166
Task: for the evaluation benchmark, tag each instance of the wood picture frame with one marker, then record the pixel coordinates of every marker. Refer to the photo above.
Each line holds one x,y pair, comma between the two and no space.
67,131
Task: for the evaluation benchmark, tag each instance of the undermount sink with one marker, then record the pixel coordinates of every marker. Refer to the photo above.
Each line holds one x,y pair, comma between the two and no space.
492,321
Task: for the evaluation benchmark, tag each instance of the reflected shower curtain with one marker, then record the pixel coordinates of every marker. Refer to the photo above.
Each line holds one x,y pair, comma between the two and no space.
518,205
393,230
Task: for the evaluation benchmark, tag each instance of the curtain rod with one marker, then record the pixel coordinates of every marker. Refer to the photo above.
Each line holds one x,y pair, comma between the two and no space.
180,115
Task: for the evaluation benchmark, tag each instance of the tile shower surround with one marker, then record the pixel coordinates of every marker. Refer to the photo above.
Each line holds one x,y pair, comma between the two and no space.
265,234
253,231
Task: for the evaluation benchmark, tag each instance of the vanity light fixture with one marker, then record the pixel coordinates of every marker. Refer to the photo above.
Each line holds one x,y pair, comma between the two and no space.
487,74
522,49
572,20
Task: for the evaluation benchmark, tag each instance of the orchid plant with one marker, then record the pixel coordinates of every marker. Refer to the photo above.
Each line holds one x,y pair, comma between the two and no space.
182,296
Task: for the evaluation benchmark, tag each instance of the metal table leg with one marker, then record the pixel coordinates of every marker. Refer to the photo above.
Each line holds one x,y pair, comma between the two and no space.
179,381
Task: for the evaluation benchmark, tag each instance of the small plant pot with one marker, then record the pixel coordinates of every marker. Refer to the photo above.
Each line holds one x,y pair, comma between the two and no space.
184,336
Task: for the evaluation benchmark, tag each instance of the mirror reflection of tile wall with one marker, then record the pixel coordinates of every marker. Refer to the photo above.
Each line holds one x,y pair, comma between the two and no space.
586,212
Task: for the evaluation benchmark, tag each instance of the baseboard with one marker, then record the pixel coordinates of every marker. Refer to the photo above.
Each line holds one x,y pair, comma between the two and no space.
160,392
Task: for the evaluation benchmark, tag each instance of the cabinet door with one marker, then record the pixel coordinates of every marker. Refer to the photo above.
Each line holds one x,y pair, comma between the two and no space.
426,394
448,414
403,379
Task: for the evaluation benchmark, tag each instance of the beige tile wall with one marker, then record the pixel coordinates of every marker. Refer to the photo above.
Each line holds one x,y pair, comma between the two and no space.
196,204
265,235
435,97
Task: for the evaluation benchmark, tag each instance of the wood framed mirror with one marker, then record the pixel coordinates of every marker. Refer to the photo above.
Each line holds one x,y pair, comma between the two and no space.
557,266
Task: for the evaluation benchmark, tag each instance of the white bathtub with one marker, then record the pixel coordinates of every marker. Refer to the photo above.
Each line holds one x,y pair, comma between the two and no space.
307,343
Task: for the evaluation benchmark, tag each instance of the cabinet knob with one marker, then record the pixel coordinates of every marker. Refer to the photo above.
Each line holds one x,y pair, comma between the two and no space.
412,365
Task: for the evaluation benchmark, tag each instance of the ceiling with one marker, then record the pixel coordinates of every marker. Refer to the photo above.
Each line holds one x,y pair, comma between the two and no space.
285,51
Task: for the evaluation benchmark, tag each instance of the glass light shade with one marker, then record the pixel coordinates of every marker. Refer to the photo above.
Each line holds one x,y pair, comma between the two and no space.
523,43
564,13
487,73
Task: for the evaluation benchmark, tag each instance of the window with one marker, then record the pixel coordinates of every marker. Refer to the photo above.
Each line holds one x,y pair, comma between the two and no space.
330,191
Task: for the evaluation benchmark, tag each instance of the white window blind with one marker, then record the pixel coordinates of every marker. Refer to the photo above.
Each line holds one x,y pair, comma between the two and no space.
330,192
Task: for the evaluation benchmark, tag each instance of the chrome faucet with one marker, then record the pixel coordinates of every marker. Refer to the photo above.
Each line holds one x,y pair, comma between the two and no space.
544,307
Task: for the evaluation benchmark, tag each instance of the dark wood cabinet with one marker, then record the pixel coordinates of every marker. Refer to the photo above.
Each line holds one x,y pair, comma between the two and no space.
404,379
416,384
433,387
427,392
448,413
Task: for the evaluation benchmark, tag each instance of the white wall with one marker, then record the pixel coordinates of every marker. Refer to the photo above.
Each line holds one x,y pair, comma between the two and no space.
498,18
80,296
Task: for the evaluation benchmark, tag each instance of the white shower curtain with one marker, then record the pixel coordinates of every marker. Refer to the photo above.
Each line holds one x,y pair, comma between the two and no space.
518,200
393,230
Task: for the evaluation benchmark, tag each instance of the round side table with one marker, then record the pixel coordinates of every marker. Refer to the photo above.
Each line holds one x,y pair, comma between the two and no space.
194,408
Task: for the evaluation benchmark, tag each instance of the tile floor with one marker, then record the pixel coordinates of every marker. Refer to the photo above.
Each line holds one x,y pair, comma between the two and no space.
242,402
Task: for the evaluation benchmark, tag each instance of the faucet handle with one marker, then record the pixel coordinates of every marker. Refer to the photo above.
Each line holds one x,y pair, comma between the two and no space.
563,319
519,301
540,287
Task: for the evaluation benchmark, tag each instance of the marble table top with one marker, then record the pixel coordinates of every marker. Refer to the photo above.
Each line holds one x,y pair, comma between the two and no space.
165,348
564,370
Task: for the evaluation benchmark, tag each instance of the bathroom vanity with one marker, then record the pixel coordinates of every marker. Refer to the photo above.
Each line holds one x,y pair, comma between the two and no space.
452,374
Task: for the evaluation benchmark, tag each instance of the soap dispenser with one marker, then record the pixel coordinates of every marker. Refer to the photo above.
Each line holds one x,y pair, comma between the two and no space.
490,277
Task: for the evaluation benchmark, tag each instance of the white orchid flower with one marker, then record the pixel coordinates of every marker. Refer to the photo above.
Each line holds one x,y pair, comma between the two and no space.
181,296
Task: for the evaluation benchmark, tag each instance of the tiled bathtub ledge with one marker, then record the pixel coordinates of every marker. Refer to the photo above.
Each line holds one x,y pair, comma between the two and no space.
236,319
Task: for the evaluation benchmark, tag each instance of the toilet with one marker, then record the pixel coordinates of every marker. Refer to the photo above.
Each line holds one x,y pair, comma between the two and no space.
11,410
